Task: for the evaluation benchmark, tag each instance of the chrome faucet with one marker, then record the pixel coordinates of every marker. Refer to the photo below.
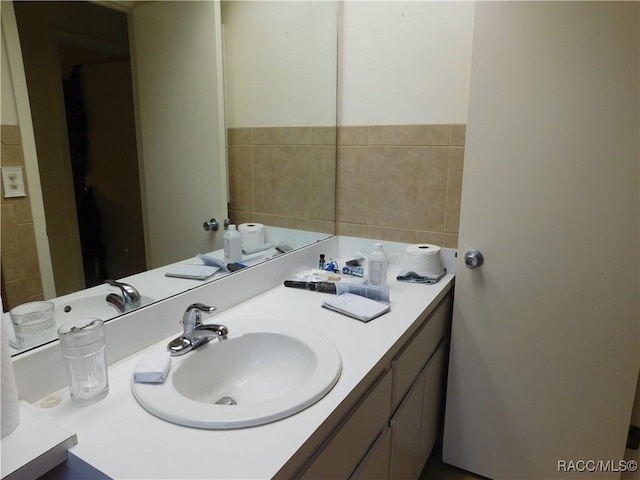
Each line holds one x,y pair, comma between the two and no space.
196,333
130,299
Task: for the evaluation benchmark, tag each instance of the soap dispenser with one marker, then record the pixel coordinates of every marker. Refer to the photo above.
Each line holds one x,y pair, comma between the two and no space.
377,266
232,245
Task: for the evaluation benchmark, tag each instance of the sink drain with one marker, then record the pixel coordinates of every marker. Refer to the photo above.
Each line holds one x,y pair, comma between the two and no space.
226,401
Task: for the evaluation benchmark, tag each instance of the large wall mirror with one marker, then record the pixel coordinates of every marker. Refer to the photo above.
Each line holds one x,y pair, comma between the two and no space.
150,118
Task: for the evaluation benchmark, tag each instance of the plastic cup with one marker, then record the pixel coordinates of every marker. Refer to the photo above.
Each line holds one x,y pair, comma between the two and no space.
34,323
85,358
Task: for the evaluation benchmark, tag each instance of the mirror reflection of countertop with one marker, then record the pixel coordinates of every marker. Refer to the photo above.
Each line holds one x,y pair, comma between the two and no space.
118,437
154,285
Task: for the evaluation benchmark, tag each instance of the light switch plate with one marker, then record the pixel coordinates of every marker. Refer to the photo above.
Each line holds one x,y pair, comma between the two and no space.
13,182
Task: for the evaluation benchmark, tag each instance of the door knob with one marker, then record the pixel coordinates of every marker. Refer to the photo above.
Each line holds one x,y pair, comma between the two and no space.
473,259
211,225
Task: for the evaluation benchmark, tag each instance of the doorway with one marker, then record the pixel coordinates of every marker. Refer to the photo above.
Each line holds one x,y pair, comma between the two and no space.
76,59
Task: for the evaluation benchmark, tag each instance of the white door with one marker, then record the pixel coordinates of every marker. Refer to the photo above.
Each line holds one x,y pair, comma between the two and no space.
177,66
545,339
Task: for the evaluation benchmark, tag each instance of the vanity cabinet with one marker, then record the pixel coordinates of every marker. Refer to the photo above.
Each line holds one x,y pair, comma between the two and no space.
350,441
389,432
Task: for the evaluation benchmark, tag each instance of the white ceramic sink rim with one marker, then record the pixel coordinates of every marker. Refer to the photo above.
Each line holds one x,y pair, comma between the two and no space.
323,364
94,305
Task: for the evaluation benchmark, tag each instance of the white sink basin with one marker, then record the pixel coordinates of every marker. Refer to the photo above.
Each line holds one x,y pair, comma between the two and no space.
90,306
266,374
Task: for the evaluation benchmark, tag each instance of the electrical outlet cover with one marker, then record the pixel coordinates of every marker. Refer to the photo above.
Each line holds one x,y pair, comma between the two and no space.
13,182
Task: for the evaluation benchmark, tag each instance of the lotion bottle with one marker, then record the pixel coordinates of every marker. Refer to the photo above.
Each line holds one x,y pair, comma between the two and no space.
377,266
232,245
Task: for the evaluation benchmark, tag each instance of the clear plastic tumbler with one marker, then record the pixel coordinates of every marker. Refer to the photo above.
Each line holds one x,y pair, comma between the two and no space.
85,358
34,323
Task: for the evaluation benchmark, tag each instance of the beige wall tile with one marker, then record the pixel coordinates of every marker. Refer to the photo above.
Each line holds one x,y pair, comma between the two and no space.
322,226
409,135
16,292
22,207
281,180
239,136
282,136
322,182
454,189
20,267
10,135
351,229
407,187
458,134
240,216
11,252
405,235
356,136
450,240
240,177
12,156
352,185
283,221
323,135
396,182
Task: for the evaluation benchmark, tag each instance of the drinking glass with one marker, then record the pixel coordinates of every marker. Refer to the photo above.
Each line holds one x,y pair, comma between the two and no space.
34,323
85,358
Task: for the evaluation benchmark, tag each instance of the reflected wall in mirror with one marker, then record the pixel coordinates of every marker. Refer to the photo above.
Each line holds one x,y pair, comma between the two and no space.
282,128
135,165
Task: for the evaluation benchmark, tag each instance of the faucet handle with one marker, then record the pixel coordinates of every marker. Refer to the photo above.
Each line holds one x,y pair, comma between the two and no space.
130,295
193,316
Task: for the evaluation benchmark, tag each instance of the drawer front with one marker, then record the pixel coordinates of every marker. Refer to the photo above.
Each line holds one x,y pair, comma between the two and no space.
343,451
375,465
412,359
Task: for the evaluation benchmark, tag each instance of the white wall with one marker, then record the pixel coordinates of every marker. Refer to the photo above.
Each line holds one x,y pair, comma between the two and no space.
280,63
405,62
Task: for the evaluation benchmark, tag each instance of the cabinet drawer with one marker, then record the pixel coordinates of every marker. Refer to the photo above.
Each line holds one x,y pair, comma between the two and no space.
375,465
342,452
411,360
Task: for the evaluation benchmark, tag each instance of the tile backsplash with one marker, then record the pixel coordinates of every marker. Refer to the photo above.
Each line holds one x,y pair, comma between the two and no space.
283,176
21,280
392,182
400,182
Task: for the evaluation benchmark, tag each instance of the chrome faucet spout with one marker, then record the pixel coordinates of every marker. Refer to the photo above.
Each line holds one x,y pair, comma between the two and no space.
130,299
196,333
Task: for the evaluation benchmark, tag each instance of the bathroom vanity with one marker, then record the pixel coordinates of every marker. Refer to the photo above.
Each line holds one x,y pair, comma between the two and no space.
381,419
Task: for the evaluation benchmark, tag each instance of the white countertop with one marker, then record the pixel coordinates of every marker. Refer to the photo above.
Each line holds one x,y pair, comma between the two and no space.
118,437
35,446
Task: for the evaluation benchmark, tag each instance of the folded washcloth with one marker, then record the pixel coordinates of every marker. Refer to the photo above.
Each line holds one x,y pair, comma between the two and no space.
192,272
152,368
213,261
414,277
251,250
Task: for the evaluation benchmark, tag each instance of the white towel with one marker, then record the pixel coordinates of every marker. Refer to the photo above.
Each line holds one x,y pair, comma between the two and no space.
192,272
153,367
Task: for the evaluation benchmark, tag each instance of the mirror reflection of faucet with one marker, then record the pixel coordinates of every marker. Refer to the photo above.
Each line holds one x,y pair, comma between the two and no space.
130,299
195,332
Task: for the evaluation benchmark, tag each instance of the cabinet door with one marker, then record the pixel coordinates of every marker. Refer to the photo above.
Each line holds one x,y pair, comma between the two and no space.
432,401
417,351
406,458
342,452
377,462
